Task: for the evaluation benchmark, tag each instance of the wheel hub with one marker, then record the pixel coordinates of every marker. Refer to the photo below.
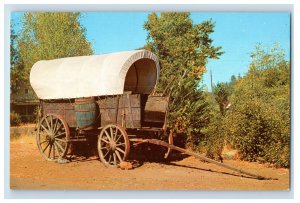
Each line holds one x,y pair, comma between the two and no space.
50,137
113,146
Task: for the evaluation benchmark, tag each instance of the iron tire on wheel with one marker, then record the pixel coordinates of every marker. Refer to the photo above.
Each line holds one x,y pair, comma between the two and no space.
113,145
52,137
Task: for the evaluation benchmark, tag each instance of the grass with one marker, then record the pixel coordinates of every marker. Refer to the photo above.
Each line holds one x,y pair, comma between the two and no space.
23,133
23,138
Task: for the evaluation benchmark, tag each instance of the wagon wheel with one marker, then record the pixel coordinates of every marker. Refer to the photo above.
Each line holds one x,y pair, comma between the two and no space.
52,137
170,141
113,145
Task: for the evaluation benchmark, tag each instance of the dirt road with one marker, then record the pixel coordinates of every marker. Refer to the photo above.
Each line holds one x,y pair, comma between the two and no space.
28,170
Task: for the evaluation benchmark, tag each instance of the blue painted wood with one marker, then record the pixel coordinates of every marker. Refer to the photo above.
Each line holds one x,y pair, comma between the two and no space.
85,112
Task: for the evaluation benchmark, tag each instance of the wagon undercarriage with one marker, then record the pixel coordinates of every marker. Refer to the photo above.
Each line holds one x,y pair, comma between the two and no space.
113,141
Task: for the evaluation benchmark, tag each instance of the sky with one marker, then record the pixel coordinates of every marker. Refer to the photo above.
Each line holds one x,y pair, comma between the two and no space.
237,33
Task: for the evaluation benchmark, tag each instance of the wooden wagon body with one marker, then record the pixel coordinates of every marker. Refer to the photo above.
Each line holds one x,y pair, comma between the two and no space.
105,96
127,110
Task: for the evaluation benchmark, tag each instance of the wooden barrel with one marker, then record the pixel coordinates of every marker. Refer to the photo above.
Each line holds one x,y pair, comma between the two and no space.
85,112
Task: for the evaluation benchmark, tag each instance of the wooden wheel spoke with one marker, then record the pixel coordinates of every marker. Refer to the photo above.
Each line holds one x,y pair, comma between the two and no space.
119,156
57,147
57,128
111,133
49,150
120,150
107,135
106,154
60,140
104,140
55,125
116,134
61,146
47,131
118,138
115,159
60,134
120,144
109,159
48,124
51,123
46,147
53,150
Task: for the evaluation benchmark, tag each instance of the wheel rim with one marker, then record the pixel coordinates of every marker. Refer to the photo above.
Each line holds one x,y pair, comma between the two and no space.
52,137
170,140
113,145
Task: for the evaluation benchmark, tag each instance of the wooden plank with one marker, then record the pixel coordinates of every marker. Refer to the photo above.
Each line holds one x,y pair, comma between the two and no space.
130,111
129,106
133,100
62,108
108,116
135,121
108,102
157,103
156,109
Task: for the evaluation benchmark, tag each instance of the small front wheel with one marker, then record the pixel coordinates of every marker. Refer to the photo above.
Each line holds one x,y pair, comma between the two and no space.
113,145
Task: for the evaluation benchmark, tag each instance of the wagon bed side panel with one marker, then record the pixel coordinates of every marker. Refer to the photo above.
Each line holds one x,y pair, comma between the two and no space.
155,111
62,108
124,110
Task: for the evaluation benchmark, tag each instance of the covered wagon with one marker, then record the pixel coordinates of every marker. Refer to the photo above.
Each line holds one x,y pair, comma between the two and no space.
105,96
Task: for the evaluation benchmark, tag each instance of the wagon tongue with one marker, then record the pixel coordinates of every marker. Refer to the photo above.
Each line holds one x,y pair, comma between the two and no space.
173,147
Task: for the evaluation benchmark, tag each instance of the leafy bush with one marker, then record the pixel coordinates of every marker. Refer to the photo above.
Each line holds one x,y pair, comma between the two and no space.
15,119
259,123
259,133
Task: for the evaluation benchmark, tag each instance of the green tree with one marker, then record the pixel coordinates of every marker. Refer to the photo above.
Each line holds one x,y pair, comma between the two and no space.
13,49
221,93
17,73
183,49
48,35
259,122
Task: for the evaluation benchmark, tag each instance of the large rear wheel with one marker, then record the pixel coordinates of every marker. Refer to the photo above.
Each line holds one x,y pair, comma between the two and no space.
52,137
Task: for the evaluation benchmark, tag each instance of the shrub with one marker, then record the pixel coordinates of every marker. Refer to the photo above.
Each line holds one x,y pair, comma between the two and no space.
260,133
258,123
15,119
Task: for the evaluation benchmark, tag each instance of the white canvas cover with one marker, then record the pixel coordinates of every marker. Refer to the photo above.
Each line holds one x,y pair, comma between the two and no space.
97,75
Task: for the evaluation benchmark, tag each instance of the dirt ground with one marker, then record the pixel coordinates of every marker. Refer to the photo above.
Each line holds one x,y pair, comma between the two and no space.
28,170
